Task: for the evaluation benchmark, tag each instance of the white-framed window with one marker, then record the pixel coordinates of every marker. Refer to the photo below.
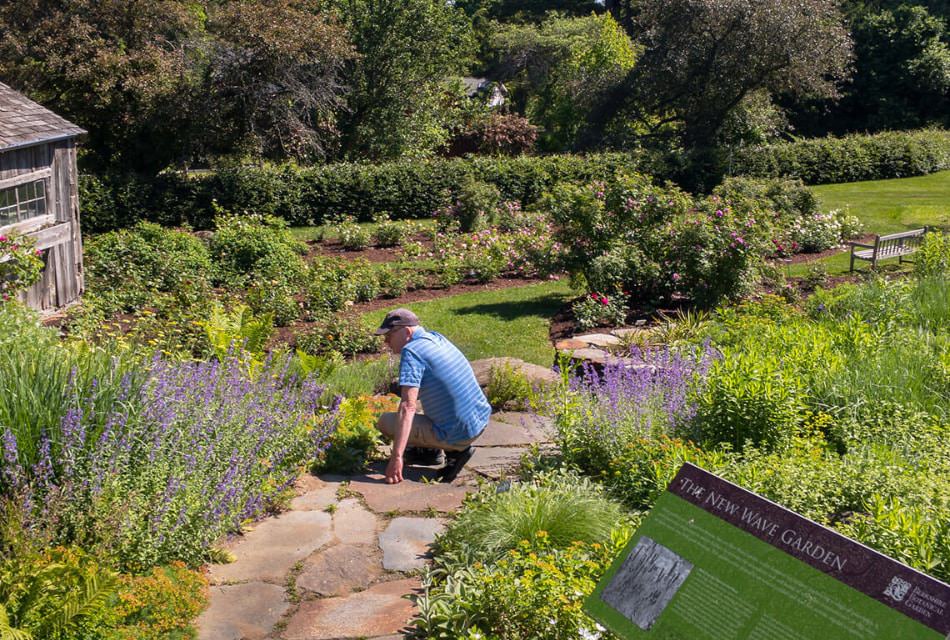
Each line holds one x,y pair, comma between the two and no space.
23,202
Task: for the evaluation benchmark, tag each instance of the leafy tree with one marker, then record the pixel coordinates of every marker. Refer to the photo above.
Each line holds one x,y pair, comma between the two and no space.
704,57
527,10
407,51
560,67
116,67
273,82
902,73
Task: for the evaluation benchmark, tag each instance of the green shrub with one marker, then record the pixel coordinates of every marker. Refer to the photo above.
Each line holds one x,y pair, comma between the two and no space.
627,234
328,286
536,591
125,269
245,248
340,332
22,265
359,377
599,310
353,236
405,189
160,604
354,441
54,594
364,279
387,232
933,257
748,397
564,508
475,206
507,385
895,154
393,281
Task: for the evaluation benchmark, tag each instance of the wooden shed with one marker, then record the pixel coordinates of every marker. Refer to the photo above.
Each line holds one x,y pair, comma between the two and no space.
39,194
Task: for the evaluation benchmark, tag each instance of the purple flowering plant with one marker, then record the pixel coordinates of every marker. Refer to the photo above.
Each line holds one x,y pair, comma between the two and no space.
174,464
645,394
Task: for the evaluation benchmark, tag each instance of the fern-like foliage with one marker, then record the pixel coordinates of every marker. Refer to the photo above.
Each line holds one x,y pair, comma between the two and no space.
8,632
67,590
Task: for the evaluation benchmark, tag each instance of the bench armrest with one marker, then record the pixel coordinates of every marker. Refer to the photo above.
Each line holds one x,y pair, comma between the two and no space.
859,244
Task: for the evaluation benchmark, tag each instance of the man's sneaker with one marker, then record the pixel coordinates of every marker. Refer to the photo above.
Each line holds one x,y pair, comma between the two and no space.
424,456
455,460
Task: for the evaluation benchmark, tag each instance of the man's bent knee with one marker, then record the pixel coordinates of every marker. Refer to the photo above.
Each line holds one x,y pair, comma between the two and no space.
386,424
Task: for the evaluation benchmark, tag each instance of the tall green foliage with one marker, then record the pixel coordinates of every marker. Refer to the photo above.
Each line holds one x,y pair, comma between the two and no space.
560,69
406,50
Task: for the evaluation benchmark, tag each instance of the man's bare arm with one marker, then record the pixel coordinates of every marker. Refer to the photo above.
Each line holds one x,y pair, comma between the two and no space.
407,410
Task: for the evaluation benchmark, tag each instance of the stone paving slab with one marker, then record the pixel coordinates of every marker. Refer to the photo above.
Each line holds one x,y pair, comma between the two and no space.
406,541
242,612
353,524
381,610
522,417
496,462
269,551
315,500
340,569
598,339
409,495
510,434
536,374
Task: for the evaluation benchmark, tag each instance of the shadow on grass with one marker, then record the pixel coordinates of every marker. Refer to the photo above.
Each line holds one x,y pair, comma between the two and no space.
543,307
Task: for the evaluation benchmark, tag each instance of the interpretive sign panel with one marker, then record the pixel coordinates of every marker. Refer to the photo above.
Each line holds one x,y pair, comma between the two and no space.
716,562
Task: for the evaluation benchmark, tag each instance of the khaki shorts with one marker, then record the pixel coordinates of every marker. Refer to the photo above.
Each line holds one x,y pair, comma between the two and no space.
423,432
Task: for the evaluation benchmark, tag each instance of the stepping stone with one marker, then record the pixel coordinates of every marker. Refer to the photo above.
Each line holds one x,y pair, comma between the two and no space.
316,499
626,331
353,524
269,551
496,462
381,610
536,374
598,339
242,612
569,345
409,495
594,356
340,569
516,428
406,541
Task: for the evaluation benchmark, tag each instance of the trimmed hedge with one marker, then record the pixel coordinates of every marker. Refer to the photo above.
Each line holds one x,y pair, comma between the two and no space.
302,196
895,154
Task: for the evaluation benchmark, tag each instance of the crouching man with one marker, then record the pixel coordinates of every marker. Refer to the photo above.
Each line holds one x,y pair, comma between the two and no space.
431,370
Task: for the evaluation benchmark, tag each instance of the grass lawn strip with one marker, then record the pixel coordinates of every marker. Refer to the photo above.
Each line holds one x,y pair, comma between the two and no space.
508,322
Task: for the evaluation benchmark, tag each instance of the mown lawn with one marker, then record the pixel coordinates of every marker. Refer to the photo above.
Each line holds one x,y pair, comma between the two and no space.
508,322
889,206
884,206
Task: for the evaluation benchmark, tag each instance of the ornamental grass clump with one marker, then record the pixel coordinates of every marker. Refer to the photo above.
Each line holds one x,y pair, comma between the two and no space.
563,508
171,466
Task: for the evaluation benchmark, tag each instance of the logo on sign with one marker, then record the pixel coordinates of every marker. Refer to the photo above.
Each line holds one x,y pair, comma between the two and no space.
897,589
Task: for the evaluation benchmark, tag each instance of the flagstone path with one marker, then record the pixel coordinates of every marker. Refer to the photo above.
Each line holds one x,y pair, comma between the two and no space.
344,561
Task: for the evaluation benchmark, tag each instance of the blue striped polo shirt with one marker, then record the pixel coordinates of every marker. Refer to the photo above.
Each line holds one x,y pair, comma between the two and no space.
450,395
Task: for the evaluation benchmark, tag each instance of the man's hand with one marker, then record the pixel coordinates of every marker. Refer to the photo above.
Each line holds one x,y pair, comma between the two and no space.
394,470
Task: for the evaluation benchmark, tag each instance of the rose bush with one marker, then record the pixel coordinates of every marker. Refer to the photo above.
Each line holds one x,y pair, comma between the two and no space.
22,267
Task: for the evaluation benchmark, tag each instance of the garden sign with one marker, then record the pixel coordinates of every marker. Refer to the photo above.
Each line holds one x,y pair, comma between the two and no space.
716,562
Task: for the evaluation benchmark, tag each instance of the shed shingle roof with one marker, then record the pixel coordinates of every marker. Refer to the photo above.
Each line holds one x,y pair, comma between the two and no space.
24,122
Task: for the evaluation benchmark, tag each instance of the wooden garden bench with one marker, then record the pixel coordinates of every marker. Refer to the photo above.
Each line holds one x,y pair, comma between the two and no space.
895,245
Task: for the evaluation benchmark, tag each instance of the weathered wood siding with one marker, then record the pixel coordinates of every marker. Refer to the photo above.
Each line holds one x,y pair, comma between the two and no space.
62,279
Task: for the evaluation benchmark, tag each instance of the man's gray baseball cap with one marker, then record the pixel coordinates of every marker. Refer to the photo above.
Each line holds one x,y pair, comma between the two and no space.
397,318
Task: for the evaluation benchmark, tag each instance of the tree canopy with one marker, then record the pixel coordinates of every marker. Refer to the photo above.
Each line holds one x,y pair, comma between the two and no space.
170,83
